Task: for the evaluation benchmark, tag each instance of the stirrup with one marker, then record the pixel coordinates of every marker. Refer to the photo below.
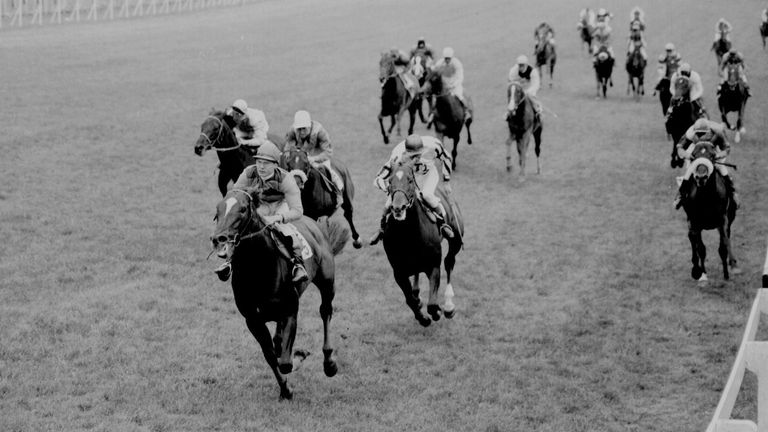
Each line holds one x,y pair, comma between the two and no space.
736,200
299,272
446,231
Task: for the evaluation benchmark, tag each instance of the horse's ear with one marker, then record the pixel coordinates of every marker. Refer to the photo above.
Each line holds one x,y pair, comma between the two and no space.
212,111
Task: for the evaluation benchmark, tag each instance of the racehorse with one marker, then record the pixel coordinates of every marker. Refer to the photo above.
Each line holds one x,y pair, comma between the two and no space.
708,206
319,195
448,112
419,67
681,115
603,71
586,27
217,132
395,99
412,242
662,88
733,98
763,32
522,124
261,278
720,47
546,56
636,72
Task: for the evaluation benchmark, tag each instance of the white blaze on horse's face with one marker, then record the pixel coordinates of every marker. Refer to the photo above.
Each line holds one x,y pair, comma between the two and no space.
230,202
399,175
512,106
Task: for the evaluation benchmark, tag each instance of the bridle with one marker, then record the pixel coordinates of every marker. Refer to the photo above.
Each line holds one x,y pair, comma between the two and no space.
513,86
410,197
213,142
238,237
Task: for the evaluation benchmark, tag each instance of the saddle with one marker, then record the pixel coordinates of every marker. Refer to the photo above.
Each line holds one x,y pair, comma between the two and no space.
281,239
328,184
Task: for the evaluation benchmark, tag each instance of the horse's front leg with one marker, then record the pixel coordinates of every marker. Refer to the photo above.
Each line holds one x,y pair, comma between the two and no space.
346,206
285,334
522,153
411,117
411,293
698,255
455,151
260,331
509,153
384,133
724,249
433,307
398,119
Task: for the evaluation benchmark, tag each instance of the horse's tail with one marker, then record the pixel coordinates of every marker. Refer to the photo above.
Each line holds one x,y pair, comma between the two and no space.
335,230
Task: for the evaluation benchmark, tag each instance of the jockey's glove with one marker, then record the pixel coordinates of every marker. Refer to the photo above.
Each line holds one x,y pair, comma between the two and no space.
272,219
381,183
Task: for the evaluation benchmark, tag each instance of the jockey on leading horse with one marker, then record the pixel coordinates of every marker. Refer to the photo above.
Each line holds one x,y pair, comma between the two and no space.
696,88
733,57
280,200
310,136
425,152
251,125
452,73
709,131
528,77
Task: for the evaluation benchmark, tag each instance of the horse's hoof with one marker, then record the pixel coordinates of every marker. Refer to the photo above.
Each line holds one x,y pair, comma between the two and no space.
424,320
330,368
434,311
449,313
696,273
357,243
285,368
509,168
386,140
286,393
737,138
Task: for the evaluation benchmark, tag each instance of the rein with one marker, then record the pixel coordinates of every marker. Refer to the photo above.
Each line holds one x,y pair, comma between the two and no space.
213,142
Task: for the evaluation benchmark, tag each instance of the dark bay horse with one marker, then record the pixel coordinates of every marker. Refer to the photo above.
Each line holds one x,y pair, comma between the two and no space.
261,279
448,112
546,56
395,99
720,47
522,125
603,70
662,88
708,206
586,29
318,193
733,98
217,133
681,115
636,72
412,242
763,32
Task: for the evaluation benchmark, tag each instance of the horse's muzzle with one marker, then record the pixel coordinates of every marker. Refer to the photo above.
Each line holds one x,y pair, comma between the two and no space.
223,245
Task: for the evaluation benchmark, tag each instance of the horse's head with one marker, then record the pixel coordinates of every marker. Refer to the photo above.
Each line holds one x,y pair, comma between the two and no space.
402,189
515,97
235,216
386,66
433,83
213,130
296,162
703,162
682,87
733,75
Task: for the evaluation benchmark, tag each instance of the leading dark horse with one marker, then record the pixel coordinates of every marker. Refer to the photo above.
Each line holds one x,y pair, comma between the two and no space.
636,72
395,99
522,124
720,47
261,279
733,98
681,115
412,242
708,206
216,132
319,195
603,70
546,56
448,112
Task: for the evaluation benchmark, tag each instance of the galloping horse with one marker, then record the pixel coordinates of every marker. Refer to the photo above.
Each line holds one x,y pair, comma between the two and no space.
636,72
733,98
217,132
546,56
448,112
708,206
681,115
412,242
586,27
522,124
763,32
720,47
261,279
662,87
603,71
395,99
319,194
419,67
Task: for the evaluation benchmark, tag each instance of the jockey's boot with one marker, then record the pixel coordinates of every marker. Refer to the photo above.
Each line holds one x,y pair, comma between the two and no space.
378,235
681,195
445,229
731,189
747,90
299,271
466,102
224,271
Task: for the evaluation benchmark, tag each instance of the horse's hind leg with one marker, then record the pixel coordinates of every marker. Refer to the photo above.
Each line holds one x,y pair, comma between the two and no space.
454,152
260,331
327,293
469,134
698,255
384,133
454,246
346,206
411,294
509,154
433,308
537,148
522,153
411,117
724,249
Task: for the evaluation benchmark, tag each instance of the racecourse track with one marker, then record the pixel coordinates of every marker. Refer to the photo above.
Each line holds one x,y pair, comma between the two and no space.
576,310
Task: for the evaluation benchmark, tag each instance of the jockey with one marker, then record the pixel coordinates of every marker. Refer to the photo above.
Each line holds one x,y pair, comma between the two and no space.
733,57
542,34
280,200
636,39
723,27
602,39
764,16
426,151
402,61
638,16
310,136
251,125
586,18
696,88
424,50
668,63
528,76
603,16
705,130
452,72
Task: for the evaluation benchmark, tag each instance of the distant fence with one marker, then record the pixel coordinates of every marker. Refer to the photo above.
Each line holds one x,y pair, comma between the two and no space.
20,13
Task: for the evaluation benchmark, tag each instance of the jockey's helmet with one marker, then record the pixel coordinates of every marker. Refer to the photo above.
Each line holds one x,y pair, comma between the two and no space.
268,152
669,47
602,12
701,125
522,60
685,69
240,106
301,120
603,55
413,143
421,39
662,57
447,52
